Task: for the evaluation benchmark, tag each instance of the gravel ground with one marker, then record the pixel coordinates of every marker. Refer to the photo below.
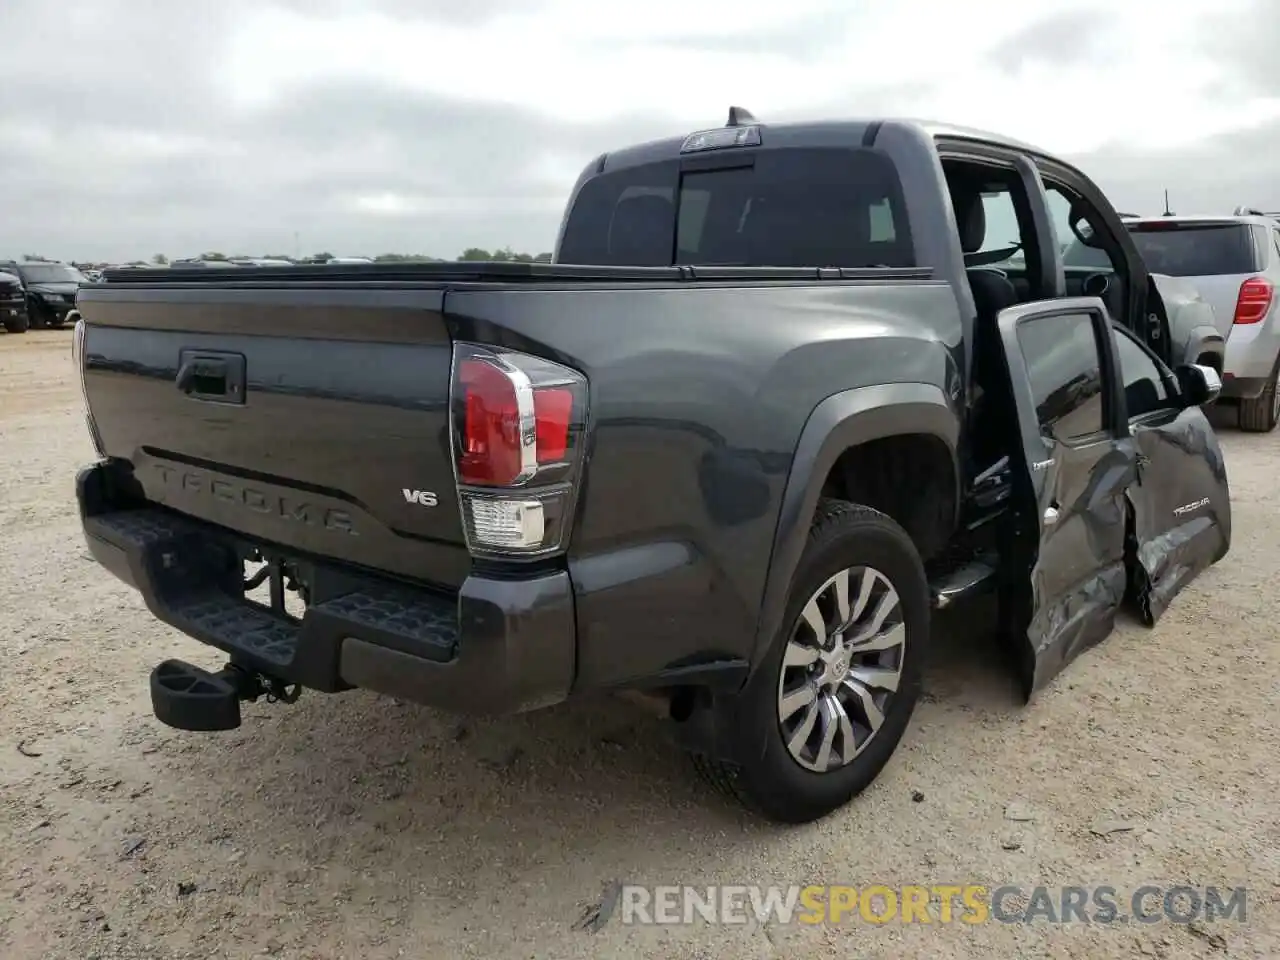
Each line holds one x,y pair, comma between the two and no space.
355,826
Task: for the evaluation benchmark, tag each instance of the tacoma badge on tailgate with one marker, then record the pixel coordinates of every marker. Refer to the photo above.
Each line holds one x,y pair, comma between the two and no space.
282,505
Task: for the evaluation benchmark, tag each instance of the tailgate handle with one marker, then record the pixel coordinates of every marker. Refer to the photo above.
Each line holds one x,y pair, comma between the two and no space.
204,376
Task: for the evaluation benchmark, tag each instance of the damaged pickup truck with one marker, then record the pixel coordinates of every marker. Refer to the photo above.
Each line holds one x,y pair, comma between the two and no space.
785,390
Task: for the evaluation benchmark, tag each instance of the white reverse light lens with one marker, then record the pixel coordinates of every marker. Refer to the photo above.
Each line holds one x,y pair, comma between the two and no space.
506,524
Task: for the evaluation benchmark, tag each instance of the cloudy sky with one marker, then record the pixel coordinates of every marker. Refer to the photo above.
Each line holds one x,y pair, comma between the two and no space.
131,127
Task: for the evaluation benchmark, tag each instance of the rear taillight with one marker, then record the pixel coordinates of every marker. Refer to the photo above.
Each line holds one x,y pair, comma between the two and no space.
1254,300
78,360
517,438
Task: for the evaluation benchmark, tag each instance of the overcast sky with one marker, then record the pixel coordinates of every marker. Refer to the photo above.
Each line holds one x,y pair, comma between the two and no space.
132,127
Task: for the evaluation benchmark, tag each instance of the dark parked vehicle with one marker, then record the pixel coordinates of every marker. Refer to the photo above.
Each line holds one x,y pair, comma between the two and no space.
770,408
49,289
13,302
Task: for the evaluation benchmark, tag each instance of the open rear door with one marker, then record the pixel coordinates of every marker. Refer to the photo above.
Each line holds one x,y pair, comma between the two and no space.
1066,563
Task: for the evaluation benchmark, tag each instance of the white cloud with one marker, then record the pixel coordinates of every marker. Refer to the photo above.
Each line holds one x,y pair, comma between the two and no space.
425,126
585,61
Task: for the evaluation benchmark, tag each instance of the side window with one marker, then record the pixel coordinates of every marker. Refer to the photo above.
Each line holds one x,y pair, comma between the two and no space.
1260,243
1067,213
882,229
1065,367
1145,390
1275,237
1002,223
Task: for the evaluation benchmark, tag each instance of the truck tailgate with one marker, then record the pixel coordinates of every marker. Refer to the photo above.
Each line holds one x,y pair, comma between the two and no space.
310,416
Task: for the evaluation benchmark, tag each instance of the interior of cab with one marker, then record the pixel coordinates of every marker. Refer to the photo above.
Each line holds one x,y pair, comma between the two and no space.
998,238
1002,257
1002,260
996,285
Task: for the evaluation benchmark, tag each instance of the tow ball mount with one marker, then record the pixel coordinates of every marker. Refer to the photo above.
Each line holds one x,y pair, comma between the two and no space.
187,697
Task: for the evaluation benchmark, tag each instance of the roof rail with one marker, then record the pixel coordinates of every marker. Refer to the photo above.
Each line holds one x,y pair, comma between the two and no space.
1243,211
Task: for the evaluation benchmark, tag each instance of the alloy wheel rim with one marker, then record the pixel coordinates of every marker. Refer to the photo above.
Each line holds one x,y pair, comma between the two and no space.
841,668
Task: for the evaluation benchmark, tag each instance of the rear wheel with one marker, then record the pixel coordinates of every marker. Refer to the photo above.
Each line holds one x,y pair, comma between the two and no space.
1260,414
826,709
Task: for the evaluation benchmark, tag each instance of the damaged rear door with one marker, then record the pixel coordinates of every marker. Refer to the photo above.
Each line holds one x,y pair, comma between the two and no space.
1065,569
1180,498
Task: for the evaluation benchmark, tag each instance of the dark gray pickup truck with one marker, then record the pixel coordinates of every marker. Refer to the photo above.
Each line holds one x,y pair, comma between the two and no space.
785,390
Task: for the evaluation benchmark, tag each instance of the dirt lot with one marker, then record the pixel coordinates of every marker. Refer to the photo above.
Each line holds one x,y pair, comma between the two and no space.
355,826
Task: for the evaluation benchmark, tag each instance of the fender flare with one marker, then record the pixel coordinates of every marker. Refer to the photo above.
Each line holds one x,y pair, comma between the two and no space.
841,421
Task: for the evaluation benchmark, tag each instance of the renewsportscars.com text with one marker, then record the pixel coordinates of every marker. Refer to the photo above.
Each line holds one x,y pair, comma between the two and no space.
969,904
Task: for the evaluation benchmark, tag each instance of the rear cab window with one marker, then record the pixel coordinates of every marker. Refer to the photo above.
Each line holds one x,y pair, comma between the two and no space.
781,207
1188,248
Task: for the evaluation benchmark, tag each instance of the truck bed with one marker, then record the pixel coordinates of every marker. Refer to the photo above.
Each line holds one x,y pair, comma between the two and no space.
339,449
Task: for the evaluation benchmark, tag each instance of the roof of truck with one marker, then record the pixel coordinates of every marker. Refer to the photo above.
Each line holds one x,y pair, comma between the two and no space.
936,129
666,146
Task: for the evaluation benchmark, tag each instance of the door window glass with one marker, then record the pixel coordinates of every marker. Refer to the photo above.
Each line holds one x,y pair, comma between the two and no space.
1061,353
1145,390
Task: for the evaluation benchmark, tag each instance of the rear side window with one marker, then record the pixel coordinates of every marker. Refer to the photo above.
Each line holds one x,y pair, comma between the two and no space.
1182,249
1065,368
802,207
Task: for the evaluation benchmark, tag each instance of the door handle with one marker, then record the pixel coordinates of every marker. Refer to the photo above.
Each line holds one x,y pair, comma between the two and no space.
210,371
205,375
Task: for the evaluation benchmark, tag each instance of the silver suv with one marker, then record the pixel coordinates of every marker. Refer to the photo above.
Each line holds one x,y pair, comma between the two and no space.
1235,264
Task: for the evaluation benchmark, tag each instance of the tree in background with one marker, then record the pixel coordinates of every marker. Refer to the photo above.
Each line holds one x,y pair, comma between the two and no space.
471,254
501,254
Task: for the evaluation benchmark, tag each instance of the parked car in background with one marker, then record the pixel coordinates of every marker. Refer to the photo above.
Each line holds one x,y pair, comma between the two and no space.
259,262
13,302
49,289
1193,325
1234,262
198,262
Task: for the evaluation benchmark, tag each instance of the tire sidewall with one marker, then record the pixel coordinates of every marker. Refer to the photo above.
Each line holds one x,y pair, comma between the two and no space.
863,539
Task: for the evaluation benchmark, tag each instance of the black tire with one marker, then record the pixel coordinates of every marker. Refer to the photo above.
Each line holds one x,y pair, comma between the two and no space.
771,781
1259,415
18,324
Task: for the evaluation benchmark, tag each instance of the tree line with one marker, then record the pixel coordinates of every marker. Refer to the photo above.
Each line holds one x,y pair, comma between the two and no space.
469,254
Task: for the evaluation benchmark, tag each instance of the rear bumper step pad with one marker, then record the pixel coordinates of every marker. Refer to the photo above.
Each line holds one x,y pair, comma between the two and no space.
499,646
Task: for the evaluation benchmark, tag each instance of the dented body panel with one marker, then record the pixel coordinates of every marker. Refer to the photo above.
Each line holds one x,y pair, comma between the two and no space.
1135,510
1181,505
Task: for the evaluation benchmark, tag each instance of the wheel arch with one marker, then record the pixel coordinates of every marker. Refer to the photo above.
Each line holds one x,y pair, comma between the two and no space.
889,427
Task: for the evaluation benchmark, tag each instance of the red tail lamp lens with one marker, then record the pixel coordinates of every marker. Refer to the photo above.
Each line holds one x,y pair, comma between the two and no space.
493,450
1254,300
